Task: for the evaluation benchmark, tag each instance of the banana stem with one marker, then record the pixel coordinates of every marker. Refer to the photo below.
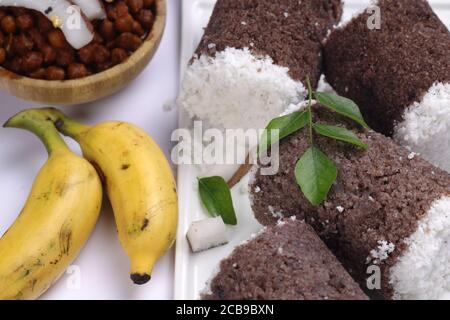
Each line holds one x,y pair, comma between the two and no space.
36,122
64,124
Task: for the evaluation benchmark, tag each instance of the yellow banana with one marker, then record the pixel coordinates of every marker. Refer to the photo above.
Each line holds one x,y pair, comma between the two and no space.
56,221
140,185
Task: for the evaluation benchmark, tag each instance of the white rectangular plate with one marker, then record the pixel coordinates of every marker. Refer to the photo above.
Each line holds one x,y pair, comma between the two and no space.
192,271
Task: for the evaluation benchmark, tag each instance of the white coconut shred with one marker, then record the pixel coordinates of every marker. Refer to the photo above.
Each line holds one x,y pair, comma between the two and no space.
236,89
426,126
423,271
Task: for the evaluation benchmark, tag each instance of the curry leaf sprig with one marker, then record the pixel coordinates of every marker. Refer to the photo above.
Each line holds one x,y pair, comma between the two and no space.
315,172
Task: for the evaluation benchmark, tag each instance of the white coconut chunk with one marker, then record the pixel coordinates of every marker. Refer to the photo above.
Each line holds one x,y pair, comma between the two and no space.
207,234
425,128
423,270
236,89
64,15
92,9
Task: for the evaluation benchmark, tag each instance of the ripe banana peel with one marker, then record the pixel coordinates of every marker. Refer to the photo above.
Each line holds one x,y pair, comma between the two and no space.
56,221
140,185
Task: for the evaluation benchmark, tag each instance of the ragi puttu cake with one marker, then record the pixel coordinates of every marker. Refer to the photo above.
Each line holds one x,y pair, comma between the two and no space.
253,60
399,75
287,261
389,208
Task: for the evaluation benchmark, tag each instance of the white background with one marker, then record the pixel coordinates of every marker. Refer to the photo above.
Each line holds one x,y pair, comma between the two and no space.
103,264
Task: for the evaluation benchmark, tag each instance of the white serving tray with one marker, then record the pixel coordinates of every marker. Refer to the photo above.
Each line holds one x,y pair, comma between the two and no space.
192,271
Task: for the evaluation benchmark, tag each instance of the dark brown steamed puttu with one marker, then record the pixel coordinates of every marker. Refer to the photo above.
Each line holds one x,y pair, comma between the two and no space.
399,75
388,208
253,60
287,261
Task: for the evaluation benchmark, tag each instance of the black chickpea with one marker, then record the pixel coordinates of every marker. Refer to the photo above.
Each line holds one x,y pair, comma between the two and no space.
146,18
24,21
31,46
22,44
37,38
124,23
77,70
56,39
128,41
118,55
121,8
86,54
148,3
64,58
49,54
38,74
102,54
44,25
107,29
137,29
32,61
55,73
15,65
8,24
135,5
2,55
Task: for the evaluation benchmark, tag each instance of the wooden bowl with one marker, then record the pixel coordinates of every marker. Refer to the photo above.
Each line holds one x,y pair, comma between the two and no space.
97,86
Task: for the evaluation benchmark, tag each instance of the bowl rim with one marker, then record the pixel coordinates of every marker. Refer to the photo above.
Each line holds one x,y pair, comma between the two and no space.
148,44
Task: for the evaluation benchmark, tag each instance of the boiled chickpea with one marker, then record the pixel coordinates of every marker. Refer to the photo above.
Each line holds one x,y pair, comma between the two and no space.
107,29
2,55
37,38
56,39
101,55
77,70
118,55
148,3
137,29
64,58
104,66
32,61
98,38
124,23
111,11
128,41
55,73
24,21
15,65
121,8
49,54
8,24
86,53
38,74
22,44
146,18
44,24
135,5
